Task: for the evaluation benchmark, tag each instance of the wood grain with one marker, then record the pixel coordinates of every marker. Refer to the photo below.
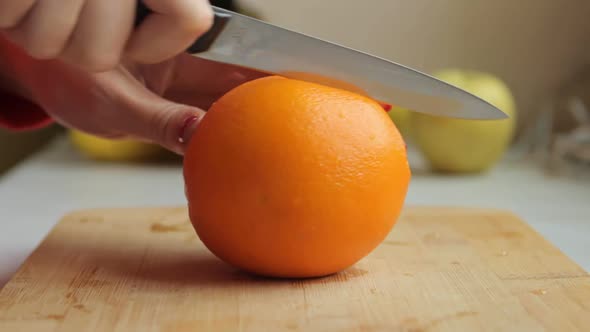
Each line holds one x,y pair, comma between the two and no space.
441,269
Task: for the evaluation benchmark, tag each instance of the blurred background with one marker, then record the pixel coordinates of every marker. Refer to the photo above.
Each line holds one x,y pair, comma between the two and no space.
529,57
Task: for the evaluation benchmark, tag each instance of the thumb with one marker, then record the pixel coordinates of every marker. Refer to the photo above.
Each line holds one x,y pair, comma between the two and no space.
164,122
145,115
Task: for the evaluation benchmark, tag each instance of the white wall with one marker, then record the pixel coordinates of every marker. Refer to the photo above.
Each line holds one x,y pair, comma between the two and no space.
534,45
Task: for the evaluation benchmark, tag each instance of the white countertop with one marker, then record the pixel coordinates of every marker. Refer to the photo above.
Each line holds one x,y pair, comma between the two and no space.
31,203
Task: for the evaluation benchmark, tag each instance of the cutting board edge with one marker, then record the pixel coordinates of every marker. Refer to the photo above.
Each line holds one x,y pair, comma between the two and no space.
465,208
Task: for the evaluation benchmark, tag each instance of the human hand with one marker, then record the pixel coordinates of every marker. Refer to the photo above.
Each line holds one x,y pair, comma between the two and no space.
160,103
89,72
97,35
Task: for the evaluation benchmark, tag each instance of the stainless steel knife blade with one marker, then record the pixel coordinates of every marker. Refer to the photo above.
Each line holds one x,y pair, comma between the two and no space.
244,41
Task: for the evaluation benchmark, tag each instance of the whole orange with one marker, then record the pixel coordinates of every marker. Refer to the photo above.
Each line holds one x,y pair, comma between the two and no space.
288,178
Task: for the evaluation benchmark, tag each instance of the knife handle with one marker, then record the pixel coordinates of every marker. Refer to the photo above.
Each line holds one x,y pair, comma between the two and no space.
202,44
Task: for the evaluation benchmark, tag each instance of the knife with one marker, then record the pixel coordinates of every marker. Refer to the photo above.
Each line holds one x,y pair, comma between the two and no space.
247,42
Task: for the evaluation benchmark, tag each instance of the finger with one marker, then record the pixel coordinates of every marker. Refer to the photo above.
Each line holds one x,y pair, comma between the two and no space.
46,29
12,12
166,123
170,30
209,77
200,82
142,114
101,34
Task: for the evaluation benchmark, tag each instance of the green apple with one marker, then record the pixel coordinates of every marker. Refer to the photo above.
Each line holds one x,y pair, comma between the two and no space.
400,117
465,146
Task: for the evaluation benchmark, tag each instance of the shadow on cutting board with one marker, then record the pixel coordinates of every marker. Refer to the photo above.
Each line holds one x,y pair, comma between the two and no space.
174,260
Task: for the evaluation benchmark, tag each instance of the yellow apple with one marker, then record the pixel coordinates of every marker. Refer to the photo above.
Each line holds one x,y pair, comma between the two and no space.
461,145
99,148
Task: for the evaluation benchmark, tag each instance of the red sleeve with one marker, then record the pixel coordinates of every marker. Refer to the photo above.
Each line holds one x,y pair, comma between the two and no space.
18,114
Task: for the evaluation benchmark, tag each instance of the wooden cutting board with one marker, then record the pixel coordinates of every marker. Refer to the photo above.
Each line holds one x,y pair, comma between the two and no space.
441,269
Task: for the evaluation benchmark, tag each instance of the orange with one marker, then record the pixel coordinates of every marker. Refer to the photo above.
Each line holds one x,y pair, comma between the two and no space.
287,178
328,81
324,80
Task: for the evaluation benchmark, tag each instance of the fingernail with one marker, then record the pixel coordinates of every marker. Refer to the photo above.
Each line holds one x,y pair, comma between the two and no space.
187,128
